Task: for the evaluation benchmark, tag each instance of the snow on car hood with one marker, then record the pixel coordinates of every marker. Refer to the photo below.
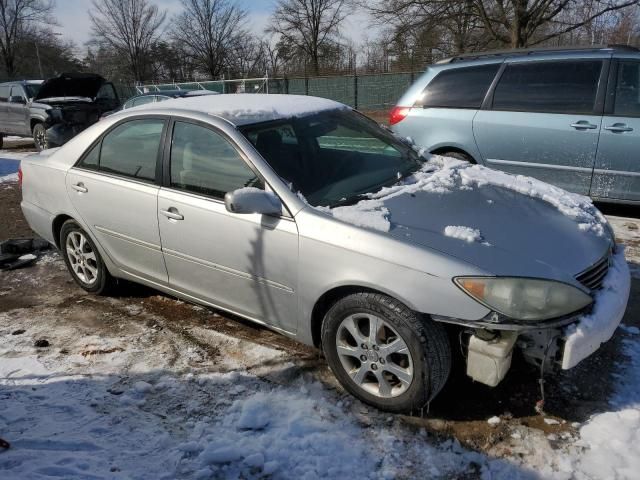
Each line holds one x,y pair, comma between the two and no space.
488,218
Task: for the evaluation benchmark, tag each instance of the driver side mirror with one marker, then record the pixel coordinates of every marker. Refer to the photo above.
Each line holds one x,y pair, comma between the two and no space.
18,99
253,200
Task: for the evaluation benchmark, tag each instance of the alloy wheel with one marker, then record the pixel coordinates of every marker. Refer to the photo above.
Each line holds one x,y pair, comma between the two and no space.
374,355
82,258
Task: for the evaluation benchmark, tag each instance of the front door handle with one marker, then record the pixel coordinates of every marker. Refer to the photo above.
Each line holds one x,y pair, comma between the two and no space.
79,187
619,128
583,124
172,213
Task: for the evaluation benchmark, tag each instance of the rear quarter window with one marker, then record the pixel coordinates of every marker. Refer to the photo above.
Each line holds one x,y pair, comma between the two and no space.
459,87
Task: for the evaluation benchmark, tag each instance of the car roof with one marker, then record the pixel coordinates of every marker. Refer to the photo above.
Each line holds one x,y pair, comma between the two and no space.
246,108
23,82
521,53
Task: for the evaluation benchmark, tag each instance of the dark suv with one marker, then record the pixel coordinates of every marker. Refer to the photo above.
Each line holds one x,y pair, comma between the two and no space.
54,111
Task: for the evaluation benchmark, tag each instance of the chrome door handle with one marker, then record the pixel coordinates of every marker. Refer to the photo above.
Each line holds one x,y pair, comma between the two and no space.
583,124
79,187
619,127
172,213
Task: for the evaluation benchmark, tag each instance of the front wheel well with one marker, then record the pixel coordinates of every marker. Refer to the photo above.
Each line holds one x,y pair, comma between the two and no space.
456,150
326,301
34,122
57,226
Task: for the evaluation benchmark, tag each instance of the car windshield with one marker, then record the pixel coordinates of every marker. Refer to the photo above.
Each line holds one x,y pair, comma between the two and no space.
333,157
32,89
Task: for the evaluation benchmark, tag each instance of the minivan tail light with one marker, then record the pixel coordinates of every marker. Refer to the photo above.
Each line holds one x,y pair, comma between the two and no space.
20,175
398,114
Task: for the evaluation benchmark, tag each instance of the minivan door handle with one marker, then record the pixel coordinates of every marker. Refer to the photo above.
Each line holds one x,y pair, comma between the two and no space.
619,128
172,213
79,187
583,124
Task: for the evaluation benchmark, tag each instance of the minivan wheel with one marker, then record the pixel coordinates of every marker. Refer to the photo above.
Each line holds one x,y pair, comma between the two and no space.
384,353
1,140
83,259
40,137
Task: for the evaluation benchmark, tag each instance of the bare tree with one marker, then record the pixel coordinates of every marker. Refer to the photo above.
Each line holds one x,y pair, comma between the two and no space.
309,25
130,28
477,24
18,19
209,29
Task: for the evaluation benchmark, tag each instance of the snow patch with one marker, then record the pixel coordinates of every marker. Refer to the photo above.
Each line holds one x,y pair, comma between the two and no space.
11,178
467,234
443,175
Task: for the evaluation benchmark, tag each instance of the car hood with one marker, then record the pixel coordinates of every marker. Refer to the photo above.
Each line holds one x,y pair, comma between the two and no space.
76,85
520,235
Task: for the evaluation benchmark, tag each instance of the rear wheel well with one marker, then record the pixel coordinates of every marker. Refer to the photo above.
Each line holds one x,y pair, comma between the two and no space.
326,301
459,151
57,226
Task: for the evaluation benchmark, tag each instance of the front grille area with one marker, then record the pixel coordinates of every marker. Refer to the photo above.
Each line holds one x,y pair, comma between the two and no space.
593,276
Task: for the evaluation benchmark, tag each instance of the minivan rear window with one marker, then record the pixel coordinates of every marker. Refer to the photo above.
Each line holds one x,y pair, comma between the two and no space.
459,87
550,87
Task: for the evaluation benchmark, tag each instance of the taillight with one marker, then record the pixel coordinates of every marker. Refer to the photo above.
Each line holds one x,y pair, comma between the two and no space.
20,175
398,114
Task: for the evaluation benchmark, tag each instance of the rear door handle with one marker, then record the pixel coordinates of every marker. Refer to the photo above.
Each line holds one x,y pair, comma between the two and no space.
619,128
583,124
172,213
79,187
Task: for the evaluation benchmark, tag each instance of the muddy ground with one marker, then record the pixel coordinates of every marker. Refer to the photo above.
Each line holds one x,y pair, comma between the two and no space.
461,411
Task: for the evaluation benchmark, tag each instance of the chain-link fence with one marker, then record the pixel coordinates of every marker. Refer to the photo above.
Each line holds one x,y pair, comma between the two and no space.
365,92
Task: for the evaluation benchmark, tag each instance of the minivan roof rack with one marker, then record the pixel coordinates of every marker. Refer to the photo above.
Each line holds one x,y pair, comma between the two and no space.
536,50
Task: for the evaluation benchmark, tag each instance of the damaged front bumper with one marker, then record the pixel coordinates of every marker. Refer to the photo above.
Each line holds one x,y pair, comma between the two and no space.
560,343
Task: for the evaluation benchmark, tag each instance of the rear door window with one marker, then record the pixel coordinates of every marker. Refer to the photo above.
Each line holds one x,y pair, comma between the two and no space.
459,88
568,87
130,149
627,103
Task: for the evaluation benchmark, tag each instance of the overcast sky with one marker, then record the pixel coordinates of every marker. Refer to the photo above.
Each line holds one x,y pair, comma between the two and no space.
73,18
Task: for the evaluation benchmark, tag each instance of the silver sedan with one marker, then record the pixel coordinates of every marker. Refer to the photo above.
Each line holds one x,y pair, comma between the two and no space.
303,215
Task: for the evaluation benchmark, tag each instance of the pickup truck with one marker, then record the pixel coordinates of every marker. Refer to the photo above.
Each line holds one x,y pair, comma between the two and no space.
54,111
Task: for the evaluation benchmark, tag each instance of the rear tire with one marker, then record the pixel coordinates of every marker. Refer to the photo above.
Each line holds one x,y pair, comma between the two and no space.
1,140
401,367
40,137
83,259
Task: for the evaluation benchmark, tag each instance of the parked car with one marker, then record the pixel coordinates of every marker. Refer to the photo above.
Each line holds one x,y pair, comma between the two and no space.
14,96
303,215
59,109
159,96
570,117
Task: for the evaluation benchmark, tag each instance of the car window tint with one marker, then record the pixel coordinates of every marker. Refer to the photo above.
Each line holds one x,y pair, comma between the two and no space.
628,90
459,88
5,90
551,87
91,159
203,161
106,92
17,91
131,149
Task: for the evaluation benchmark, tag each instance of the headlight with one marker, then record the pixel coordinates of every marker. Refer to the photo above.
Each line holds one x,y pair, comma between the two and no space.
524,298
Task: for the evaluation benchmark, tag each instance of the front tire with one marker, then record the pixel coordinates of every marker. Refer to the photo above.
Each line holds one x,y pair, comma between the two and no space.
40,137
384,353
458,156
83,259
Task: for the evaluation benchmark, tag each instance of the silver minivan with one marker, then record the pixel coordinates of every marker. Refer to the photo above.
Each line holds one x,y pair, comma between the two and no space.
569,117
